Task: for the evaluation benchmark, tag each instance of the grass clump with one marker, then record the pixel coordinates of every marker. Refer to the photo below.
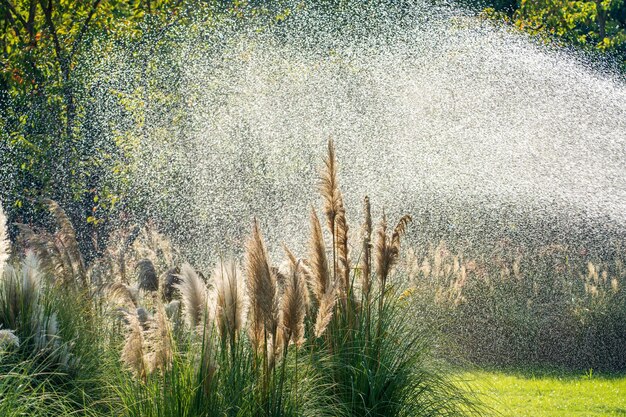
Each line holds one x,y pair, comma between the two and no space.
315,336
140,333
545,307
49,339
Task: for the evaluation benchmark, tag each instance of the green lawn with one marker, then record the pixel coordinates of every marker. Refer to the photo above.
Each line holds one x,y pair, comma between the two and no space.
550,394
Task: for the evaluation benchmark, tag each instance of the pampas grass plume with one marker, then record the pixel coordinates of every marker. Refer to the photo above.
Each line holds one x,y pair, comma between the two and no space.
325,312
159,342
262,286
318,260
194,296
231,298
293,307
133,350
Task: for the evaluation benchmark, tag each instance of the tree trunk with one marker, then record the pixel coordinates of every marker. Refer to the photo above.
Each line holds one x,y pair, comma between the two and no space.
601,16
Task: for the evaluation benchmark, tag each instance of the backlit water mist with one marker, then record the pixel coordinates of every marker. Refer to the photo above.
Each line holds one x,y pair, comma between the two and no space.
433,112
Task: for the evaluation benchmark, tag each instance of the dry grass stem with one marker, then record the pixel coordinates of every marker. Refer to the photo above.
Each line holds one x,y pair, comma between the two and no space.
343,257
382,251
318,260
366,258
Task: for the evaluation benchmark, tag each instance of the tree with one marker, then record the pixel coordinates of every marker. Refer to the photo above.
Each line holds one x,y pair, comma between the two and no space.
49,146
595,25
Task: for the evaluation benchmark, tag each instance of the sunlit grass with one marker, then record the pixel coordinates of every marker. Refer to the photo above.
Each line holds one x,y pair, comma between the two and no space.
554,394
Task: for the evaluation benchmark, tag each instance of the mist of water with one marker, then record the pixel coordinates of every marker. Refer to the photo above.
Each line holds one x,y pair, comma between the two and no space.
434,113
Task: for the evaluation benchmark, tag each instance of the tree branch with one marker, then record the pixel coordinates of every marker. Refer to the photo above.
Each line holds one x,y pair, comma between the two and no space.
15,12
30,25
84,27
65,74
63,64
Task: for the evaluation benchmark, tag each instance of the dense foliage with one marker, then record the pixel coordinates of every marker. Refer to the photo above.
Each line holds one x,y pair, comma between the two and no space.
596,25
53,145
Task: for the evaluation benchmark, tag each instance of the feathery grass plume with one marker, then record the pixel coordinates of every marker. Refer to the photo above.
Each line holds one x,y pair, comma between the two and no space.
30,289
319,262
366,259
262,287
333,200
144,317
325,311
394,247
111,264
292,258
119,255
173,309
159,342
155,246
398,232
66,235
256,330
280,272
100,270
123,249
309,280
31,277
388,249
306,275
45,246
329,187
387,252
5,245
10,301
122,295
194,296
47,335
133,350
383,266
231,299
59,252
293,308
147,275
